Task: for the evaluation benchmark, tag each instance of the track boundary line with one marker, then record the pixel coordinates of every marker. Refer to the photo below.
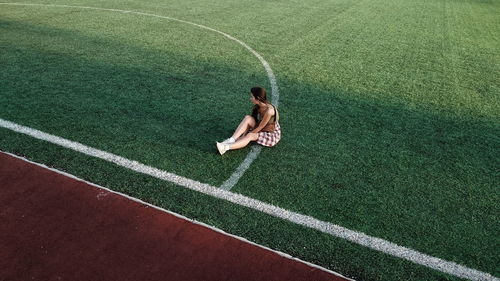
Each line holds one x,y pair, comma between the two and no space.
254,153
285,255
356,237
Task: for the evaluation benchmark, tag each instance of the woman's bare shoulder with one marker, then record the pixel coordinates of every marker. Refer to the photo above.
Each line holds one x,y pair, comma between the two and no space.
270,109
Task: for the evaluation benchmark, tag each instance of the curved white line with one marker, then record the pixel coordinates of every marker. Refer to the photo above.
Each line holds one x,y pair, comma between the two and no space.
235,177
360,238
254,152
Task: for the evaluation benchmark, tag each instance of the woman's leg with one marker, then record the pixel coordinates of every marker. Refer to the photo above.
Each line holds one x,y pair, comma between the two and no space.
247,123
242,142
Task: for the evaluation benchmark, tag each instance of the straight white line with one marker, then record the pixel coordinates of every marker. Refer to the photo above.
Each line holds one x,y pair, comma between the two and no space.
360,238
285,255
252,155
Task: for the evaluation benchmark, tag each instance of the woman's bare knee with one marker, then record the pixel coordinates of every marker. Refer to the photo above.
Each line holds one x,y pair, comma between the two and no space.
250,120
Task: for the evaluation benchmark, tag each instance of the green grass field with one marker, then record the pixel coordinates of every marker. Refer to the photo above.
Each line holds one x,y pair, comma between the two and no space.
390,114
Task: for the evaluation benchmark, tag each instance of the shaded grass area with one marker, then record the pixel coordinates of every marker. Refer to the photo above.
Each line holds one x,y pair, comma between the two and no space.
336,254
157,106
389,113
416,179
394,111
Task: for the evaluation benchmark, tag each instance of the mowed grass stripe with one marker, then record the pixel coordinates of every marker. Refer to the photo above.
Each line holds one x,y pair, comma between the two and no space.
378,137
326,227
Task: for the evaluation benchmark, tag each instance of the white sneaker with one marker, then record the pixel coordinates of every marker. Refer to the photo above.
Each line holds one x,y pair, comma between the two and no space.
222,147
229,140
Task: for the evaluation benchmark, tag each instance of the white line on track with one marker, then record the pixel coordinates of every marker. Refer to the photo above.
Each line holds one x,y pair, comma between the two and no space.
360,238
325,227
175,214
254,153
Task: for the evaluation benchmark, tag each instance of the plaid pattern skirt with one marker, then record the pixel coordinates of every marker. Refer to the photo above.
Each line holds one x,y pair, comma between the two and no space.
270,138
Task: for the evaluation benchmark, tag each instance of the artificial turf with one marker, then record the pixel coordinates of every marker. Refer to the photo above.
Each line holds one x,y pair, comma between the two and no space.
389,113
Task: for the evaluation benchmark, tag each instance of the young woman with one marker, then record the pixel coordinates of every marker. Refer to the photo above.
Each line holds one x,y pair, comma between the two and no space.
262,126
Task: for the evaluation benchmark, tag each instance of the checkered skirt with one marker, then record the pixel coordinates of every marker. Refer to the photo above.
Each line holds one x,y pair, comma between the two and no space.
270,138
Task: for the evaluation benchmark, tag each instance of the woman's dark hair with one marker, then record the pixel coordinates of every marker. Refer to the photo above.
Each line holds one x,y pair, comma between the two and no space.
259,94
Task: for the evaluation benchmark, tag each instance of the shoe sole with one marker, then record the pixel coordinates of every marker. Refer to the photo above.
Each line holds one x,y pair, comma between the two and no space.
219,148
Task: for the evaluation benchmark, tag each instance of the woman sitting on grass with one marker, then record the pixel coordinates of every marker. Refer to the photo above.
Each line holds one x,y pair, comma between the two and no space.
262,126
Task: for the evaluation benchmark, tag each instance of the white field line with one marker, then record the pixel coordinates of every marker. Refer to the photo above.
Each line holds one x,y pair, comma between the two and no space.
360,238
326,227
252,155
176,215
235,177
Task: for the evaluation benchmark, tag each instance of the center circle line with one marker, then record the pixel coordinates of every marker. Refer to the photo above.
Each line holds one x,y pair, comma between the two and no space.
255,150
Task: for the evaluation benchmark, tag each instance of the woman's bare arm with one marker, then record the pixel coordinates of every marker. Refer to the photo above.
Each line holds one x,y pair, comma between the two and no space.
265,120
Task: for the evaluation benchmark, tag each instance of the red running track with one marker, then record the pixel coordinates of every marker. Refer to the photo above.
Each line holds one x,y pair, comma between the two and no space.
53,227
